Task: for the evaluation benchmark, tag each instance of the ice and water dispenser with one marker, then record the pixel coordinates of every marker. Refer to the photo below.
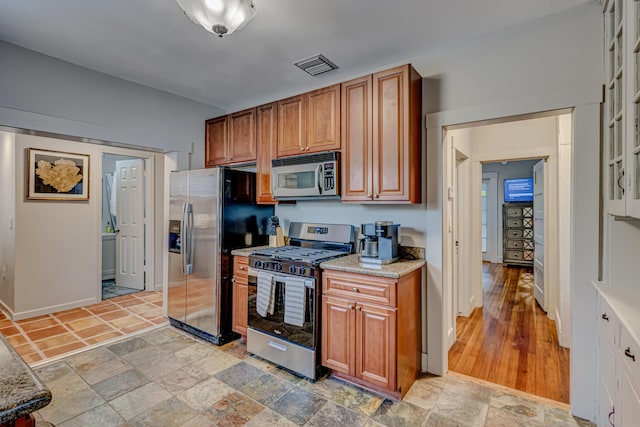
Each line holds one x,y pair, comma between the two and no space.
174,236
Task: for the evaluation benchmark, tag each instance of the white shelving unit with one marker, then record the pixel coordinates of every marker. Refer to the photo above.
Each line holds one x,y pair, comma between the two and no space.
622,107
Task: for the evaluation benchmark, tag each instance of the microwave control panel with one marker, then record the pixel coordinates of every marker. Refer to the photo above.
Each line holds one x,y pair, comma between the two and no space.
329,176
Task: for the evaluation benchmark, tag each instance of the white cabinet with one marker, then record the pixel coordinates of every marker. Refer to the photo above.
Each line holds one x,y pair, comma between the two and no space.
622,107
618,377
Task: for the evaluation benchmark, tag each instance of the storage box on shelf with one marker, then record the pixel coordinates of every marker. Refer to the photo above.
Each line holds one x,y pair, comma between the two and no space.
517,233
618,353
381,137
622,107
371,329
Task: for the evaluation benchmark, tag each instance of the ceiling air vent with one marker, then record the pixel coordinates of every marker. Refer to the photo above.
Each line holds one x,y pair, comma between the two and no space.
315,65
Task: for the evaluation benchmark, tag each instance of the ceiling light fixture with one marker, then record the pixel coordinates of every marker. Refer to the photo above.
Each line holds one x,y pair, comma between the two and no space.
221,17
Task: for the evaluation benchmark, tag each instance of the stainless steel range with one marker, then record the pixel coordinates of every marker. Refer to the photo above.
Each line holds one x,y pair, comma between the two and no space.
285,295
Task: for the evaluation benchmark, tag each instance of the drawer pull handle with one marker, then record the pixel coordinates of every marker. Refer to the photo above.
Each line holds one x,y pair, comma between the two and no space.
610,415
605,317
627,352
277,346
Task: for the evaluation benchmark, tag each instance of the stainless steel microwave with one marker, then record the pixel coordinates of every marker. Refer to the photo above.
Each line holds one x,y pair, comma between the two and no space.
306,176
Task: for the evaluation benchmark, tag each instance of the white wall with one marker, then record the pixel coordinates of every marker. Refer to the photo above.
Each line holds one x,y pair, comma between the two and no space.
410,218
7,218
513,169
553,63
38,92
56,242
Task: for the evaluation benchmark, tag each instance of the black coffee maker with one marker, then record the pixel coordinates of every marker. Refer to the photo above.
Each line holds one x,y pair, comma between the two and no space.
379,242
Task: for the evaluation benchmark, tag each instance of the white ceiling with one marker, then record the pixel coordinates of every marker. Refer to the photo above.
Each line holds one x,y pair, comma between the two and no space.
153,43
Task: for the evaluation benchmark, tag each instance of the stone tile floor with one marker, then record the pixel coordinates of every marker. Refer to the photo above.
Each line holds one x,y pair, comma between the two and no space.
168,378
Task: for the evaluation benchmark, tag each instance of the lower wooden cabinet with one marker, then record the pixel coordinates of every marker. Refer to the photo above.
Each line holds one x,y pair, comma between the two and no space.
240,295
371,329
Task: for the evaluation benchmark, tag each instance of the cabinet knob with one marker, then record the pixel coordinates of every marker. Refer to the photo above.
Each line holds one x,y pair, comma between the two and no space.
233,280
307,148
242,268
377,196
350,306
368,195
358,308
301,148
355,290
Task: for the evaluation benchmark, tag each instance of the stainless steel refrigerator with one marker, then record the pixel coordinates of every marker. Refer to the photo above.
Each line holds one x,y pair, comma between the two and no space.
211,212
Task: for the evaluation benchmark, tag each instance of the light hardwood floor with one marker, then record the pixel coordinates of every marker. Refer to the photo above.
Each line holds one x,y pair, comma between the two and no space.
511,341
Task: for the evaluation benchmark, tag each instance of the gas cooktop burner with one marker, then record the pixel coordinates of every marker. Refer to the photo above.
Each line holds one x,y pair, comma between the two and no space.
297,253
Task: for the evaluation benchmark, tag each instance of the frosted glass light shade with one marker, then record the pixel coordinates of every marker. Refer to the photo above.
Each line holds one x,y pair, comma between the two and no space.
221,17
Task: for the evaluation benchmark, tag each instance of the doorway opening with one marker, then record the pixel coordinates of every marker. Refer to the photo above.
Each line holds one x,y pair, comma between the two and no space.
509,321
124,201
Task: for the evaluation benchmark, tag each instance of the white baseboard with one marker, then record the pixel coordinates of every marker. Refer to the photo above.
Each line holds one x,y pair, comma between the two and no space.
499,260
21,315
6,310
108,274
158,287
563,339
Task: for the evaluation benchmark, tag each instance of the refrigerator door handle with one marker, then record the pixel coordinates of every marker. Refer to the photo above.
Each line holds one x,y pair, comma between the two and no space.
184,238
189,243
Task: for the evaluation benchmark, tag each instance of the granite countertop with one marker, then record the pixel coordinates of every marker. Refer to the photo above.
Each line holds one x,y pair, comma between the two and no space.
352,264
246,251
21,392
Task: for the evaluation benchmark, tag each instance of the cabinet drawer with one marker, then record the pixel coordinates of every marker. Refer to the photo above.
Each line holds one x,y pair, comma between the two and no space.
515,255
514,222
631,354
608,322
515,244
241,268
514,234
360,287
514,212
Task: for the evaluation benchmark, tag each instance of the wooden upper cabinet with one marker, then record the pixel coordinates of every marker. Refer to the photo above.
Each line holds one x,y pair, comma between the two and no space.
357,149
231,139
215,141
394,102
267,140
292,129
242,136
309,122
323,119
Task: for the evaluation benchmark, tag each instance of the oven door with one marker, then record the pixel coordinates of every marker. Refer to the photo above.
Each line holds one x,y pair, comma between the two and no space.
295,322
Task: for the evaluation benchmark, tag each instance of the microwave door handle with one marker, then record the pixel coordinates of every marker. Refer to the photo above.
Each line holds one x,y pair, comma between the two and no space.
319,175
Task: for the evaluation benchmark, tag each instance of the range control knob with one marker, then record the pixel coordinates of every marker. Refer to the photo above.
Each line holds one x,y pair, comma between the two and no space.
292,269
257,263
302,271
277,267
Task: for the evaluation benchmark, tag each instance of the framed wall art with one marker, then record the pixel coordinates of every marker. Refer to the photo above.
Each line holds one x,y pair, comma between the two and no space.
56,175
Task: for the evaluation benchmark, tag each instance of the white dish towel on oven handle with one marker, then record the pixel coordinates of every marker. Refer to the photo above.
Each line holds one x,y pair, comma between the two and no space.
265,298
294,300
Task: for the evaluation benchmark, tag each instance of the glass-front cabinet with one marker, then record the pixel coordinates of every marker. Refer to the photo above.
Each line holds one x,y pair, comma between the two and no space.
622,107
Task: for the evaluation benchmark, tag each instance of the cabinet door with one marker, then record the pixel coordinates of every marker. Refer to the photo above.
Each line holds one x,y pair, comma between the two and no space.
357,148
242,136
292,129
630,414
239,311
323,119
267,143
391,134
376,345
215,144
338,335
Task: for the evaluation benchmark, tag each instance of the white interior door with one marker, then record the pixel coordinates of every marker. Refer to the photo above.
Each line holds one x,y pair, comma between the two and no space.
130,223
490,217
538,232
